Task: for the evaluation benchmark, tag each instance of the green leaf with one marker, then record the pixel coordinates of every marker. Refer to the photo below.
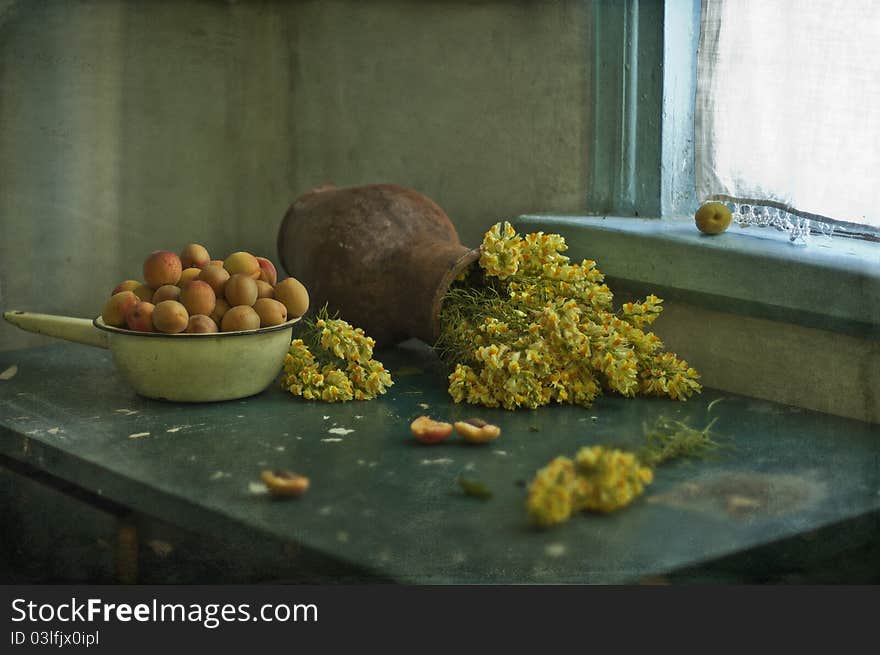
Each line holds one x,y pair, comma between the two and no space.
474,488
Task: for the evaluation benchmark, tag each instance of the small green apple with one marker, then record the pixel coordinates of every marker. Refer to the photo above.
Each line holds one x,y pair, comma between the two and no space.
713,218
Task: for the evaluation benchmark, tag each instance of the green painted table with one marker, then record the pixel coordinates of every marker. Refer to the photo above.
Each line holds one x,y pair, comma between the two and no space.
383,507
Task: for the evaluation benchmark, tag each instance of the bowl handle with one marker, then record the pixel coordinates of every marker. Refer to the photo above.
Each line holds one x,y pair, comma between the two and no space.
79,330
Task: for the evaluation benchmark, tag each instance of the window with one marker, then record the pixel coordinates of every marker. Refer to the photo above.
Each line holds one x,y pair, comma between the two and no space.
787,112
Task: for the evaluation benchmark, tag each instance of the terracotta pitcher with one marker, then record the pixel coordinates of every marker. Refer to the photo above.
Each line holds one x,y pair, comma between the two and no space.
381,255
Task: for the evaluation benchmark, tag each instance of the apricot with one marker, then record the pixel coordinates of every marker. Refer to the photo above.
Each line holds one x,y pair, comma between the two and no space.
244,263
170,316
429,431
271,312
165,292
117,306
713,218
198,298
144,292
241,290
201,324
139,317
188,275
128,285
240,317
476,430
162,267
294,295
194,255
219,310
267,271
216,276
285,483
265,290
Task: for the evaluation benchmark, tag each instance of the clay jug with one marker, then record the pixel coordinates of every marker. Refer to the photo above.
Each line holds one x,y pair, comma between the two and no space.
381,255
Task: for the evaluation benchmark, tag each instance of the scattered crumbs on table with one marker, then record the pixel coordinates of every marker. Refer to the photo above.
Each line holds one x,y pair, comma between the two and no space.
325,511
372,464
361,462
138,435
358,416
342,431
285,434
503,453
21,418
54,430
424,405
192,458
177,428
594,418
439,460
280,449
342,537
555,550
9,373
534,428
331,440
581,420
299,438
32,432
326,417
127,412
239,416
219,475
160,548
470,466
257,488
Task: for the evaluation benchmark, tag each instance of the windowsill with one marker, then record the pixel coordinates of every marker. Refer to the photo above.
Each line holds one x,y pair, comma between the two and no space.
830,284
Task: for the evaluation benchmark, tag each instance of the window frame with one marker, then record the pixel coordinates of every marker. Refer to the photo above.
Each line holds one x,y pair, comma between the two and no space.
644,55
644,79
639,210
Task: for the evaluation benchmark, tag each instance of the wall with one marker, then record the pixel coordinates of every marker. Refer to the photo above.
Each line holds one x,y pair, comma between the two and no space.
127,127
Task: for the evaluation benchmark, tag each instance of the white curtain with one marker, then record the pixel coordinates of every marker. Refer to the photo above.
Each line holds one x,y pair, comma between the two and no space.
788,106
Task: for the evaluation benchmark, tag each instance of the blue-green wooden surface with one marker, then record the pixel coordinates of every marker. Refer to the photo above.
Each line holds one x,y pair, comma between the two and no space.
388,508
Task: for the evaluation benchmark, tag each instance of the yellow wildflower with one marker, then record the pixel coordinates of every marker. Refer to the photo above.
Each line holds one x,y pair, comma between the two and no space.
540,314
551,491
348,370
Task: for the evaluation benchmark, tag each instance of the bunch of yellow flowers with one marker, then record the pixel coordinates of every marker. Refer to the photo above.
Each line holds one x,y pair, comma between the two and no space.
340,368
603,479
531,328
599,479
